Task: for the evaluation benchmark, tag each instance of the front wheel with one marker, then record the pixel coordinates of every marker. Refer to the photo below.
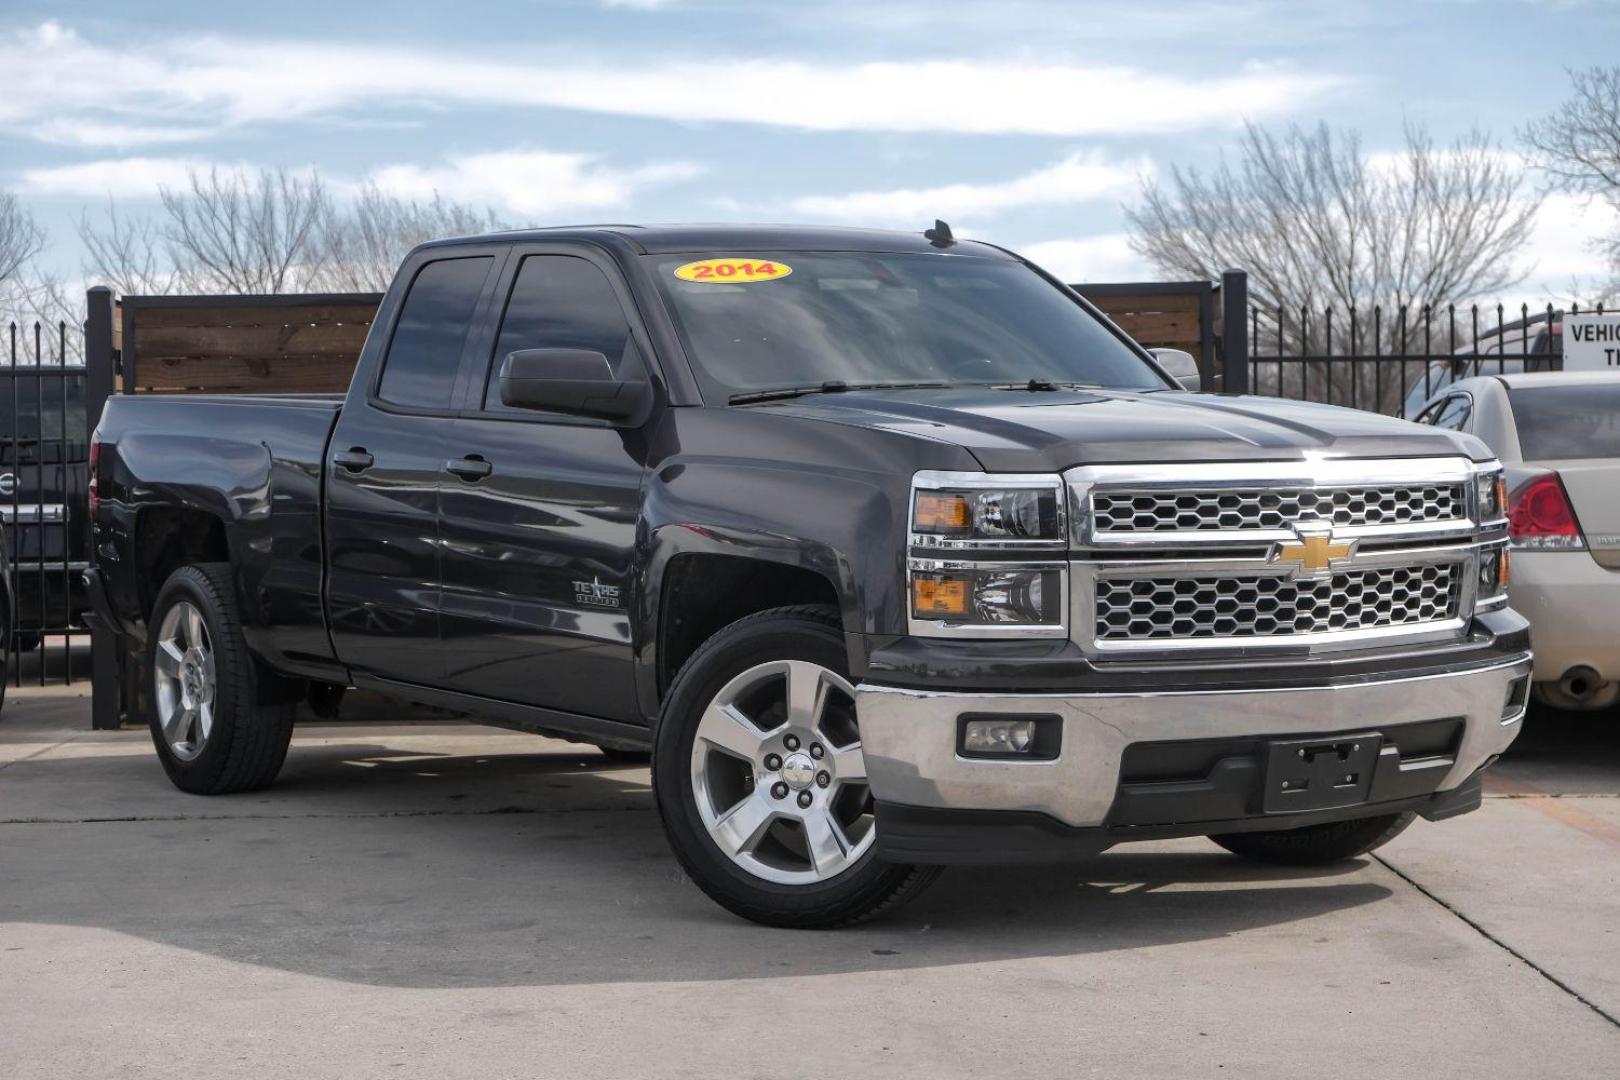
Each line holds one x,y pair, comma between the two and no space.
1316,845
760,780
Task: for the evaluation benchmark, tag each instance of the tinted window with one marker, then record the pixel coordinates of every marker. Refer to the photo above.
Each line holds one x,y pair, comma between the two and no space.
1581,420
559,302
884,318
420,370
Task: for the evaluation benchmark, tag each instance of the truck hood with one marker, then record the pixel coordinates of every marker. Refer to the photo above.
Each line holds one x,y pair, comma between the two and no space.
1048,431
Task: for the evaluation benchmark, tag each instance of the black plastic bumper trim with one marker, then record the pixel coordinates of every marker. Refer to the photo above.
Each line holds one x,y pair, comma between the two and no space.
936,836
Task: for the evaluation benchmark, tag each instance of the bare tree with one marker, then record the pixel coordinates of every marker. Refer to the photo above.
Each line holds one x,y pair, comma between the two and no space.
1578,146
1322,226
364,243
21,238
126,253
238,233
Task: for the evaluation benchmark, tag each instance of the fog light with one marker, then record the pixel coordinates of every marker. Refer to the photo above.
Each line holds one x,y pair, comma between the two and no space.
998,736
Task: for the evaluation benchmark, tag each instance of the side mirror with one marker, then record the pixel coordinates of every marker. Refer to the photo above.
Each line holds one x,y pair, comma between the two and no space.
575,382
1180,366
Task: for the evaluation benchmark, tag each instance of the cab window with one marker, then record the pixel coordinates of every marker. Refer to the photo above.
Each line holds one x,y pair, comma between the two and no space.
419,371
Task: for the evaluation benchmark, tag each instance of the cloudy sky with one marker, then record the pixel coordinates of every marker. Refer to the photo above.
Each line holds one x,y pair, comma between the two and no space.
1027,122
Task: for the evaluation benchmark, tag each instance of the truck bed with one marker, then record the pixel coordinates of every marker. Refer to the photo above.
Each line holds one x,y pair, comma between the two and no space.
256,463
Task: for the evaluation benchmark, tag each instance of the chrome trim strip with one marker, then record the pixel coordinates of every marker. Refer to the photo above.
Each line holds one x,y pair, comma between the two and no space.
28,513
1520,660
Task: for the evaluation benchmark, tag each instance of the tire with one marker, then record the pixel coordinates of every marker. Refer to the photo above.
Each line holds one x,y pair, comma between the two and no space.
622,756
1316,845
775,878
25,641
233,739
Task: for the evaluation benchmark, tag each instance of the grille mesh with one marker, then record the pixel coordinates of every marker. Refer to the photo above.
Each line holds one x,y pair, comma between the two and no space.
1188,608
1204,511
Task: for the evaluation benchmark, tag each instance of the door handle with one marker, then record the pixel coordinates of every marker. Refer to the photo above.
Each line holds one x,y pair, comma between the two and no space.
354,459
471,468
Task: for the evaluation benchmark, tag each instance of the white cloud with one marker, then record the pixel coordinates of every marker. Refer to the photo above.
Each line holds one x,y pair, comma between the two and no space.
1562,256
530,183
71,132
131,177
1092,259
525,183
1080,177
222,81
638,5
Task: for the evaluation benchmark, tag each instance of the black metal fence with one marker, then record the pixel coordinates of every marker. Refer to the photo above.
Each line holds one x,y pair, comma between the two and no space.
1392,361
45,423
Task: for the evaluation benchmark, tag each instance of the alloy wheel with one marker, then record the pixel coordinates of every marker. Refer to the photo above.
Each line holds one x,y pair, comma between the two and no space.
778,774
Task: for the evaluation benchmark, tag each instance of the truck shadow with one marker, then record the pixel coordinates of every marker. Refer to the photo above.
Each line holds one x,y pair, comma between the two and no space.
383,865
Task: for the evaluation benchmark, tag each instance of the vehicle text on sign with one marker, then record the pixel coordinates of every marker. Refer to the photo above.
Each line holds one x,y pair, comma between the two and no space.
1592,342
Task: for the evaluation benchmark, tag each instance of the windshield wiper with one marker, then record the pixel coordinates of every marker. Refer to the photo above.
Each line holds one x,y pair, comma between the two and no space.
832,386
1038,385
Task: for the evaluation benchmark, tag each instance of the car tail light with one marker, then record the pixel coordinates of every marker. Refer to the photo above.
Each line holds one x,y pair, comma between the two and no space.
1540,516
95,462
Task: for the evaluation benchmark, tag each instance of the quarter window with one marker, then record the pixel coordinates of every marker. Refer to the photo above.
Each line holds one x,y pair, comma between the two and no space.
559,302
425,353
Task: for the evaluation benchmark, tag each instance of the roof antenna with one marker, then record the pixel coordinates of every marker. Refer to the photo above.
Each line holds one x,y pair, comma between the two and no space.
940,235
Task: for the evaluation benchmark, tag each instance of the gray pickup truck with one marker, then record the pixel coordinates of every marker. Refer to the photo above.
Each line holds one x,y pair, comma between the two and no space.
892,550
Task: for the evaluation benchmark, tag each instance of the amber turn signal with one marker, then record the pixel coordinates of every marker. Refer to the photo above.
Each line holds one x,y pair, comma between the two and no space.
938,596
945,512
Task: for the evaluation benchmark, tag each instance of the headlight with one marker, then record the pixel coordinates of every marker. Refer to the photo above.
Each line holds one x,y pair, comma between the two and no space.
996,511
987,595
1492,495
972,568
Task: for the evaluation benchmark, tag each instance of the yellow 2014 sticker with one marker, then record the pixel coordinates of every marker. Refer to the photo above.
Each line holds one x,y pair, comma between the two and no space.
733,271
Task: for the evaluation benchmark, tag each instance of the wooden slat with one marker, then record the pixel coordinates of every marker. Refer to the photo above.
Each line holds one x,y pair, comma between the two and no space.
215,374
1160,329
279,315
250,341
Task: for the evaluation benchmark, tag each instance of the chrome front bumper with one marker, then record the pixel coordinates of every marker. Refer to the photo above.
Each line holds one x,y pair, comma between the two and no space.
909,735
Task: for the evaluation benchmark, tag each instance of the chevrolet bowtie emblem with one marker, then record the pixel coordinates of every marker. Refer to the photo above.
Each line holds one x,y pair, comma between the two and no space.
1313,553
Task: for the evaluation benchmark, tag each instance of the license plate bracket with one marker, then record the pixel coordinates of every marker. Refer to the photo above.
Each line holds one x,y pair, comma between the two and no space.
1320,774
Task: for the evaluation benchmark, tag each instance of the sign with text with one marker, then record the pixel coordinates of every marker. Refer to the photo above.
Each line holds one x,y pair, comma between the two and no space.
1592,342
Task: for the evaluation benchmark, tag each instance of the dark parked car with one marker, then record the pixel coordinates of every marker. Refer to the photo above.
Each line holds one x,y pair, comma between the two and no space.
44,451
893,550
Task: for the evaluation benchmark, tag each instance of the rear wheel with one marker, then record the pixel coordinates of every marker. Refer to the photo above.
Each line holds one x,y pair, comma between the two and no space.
760,779
1316,845
213,731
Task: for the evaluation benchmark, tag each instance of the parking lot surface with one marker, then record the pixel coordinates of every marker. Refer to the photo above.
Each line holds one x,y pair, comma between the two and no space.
437,898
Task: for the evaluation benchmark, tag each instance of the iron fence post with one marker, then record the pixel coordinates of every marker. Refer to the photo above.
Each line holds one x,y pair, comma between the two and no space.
1235,332
106,655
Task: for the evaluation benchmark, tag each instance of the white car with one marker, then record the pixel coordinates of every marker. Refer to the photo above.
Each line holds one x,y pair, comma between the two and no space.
1558,434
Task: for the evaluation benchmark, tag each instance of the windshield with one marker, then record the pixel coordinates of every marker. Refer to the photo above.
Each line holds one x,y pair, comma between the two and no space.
799,319
1559,423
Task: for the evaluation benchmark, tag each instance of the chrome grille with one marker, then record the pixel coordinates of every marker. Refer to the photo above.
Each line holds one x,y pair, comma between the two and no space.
1213,606
1233,509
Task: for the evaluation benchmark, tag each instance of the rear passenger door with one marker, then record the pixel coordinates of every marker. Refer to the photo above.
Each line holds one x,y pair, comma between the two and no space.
539,549
385,462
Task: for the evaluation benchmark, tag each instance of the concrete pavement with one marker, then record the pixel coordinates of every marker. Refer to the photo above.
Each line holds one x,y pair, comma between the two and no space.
450,900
